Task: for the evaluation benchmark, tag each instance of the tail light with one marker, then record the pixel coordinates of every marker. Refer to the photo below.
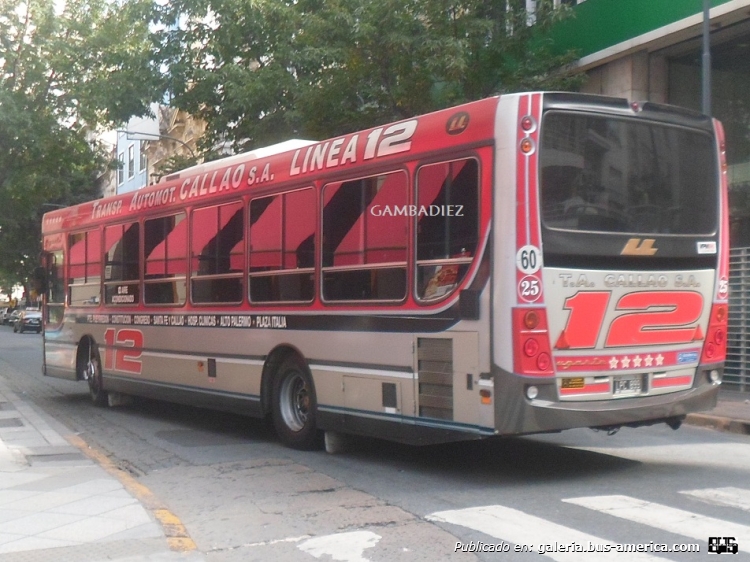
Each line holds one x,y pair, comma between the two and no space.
715,346
531,348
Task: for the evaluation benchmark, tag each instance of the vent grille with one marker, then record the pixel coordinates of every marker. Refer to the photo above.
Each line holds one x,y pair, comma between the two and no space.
435,366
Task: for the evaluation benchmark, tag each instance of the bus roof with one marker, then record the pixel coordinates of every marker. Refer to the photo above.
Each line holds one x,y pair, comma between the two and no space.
295,161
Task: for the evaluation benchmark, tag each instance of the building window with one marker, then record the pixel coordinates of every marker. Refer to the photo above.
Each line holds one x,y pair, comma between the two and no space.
131,161
365,230
143,156
120,168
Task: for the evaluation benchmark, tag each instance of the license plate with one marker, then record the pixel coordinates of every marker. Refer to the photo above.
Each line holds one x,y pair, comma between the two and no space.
624,386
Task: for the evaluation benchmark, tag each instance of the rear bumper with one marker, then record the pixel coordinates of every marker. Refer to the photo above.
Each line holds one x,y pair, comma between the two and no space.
515,414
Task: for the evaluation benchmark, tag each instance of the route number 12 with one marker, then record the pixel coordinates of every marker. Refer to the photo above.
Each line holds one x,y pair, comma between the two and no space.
653,318
117,356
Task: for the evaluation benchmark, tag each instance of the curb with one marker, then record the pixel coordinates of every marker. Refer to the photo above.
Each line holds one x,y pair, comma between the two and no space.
720,423
175,532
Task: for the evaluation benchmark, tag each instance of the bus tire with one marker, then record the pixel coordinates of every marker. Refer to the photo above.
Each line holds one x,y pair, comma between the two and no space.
294,406
92,374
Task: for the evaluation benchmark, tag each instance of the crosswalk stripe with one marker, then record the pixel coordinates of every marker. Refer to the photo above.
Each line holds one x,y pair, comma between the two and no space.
730,497
347,547
519,528
663,517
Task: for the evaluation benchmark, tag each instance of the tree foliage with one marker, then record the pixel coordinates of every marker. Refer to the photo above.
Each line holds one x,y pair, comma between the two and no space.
61,73
262,71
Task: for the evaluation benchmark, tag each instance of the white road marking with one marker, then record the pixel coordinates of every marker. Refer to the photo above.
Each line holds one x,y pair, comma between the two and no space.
345,547
663,517
726,456
519,528
730,497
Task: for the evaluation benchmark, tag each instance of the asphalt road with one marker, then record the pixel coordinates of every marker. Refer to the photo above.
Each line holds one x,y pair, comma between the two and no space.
243,496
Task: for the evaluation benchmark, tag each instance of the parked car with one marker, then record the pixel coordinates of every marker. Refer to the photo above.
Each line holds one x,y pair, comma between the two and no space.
13,316
29,319
4,314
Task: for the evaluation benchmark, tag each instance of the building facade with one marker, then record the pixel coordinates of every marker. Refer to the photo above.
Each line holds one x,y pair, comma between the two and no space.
647,50
132,171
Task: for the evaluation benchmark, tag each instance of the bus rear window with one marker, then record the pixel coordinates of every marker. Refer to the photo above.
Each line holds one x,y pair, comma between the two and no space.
620,175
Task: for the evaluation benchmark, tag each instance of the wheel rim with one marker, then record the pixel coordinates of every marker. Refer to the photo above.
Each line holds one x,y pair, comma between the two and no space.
294,402
91,374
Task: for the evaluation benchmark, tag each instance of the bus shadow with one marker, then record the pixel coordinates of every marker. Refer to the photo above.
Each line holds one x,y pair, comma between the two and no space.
506,460
494,460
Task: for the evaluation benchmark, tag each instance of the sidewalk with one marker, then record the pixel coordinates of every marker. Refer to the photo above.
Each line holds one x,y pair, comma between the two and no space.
58,504
732,413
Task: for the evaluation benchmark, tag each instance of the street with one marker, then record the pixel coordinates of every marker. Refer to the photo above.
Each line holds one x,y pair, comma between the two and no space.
242,496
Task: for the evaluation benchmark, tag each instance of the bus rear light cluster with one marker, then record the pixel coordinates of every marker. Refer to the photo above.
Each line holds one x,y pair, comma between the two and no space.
527,123
715,346
531,348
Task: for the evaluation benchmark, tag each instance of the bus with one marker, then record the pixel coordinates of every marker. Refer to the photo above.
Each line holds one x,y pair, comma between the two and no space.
521,264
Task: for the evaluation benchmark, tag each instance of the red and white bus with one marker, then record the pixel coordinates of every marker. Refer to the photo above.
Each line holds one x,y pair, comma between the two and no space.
521,264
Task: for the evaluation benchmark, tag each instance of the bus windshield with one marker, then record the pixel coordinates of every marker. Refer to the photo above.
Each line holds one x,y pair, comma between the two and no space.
622,175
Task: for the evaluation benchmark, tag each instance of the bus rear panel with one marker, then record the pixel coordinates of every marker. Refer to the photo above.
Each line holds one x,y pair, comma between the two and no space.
620,312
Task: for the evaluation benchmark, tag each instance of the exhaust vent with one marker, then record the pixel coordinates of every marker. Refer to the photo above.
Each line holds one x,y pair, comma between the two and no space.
435,368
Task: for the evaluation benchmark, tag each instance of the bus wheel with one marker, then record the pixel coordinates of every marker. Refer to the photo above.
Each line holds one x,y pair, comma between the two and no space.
294,406
92,373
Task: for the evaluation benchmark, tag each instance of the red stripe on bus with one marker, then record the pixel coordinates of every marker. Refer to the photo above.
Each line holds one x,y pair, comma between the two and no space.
672,381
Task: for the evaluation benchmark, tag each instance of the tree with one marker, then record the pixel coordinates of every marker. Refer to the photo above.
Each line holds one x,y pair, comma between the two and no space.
61,74
264,71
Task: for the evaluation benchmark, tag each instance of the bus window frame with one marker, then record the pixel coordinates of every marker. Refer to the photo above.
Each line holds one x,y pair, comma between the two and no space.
458,262
144,261
67,265
129,282
324,182
58,306
317,220
244,207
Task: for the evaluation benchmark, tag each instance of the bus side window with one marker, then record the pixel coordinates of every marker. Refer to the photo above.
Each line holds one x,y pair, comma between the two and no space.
365,233
448,231
217,236
282,247
122,259
55,289
84,269
165,248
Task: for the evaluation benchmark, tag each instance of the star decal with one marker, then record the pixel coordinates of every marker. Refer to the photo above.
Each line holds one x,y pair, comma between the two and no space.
613,363
659,360
649,360
625,362
637,361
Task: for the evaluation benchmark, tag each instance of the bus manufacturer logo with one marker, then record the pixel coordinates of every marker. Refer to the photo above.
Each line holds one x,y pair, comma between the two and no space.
457,123
636,247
